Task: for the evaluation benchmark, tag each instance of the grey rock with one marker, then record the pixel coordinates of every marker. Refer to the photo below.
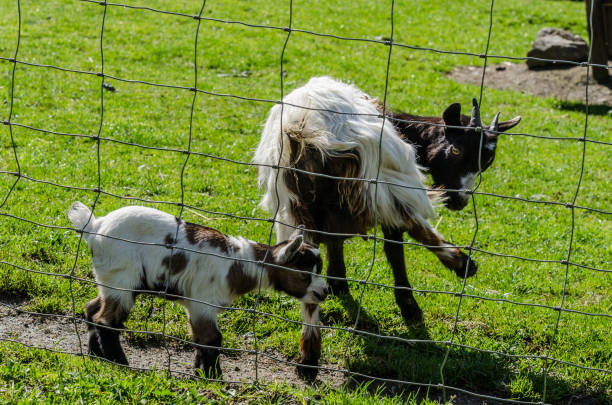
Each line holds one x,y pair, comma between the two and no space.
555,43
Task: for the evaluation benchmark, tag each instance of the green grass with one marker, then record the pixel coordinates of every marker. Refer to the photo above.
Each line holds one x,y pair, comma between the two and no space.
141,45
35,376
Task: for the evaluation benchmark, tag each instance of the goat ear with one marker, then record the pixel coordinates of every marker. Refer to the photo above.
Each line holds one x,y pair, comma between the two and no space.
287,252
452,115
506,125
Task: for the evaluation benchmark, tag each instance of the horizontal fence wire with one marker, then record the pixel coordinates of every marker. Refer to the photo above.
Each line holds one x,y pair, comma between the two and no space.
103,190
365,236
252,99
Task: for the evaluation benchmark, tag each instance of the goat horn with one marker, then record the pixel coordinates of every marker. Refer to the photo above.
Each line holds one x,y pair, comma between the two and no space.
495,124
475,120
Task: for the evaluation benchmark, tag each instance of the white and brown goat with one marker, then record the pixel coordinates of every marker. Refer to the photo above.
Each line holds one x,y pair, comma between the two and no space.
335,129
134,248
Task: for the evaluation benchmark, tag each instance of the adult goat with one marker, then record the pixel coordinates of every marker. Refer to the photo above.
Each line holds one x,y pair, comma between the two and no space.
331,133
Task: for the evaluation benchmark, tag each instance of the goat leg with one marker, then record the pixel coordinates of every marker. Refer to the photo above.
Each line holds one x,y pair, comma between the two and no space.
449,254
310,343
336,267
109,317
93,346
394,250
111,347
205,332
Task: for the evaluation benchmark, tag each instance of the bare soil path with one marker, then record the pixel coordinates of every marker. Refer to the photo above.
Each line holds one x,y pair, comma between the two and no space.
566,84
58,333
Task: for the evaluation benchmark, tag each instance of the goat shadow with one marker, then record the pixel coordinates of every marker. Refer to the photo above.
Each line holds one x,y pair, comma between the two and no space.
418,363
367,322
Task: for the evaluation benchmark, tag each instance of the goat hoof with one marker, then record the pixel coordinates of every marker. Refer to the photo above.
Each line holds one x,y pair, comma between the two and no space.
411,312
307,373
119,359
338,287
472,268
207,364
413,316
209,373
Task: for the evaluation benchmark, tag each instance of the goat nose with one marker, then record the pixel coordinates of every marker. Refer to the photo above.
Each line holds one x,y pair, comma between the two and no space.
325,292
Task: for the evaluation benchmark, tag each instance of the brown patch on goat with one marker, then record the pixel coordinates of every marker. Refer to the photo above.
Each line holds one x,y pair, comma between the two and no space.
425,235
171,289
92,307
169,239
197,234
310,309
176,262
349,193
379,106
327,216
292,282
260,250
448,254
111,313
330,205
239,281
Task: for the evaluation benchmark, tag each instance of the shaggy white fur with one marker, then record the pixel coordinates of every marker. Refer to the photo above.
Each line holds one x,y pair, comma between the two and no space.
328,115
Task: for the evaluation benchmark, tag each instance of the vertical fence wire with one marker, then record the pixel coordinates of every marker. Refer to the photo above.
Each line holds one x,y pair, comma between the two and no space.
98,189
256,313
182,182
476,223
376,180
12,102
273,220
573,212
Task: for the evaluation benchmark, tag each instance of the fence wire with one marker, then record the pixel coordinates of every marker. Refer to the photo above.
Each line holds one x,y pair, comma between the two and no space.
79,323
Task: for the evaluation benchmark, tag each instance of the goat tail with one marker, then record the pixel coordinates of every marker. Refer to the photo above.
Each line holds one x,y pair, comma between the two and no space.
82,218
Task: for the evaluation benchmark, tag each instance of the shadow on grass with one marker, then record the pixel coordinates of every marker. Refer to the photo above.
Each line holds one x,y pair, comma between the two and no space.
467,369
576,106
367,322
478,372
12,299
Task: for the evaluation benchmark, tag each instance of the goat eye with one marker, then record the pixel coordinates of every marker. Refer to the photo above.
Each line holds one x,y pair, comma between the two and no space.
455,150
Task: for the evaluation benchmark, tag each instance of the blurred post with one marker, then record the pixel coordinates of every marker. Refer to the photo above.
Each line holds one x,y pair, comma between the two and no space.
601,38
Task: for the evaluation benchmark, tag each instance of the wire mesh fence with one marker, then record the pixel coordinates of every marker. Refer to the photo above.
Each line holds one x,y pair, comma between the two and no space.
184,154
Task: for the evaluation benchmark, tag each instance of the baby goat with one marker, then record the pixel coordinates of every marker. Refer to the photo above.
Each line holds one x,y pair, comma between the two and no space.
331,128
134,248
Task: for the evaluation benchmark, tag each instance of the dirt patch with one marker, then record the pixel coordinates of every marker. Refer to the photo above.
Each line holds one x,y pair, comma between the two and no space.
58,333
565,84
